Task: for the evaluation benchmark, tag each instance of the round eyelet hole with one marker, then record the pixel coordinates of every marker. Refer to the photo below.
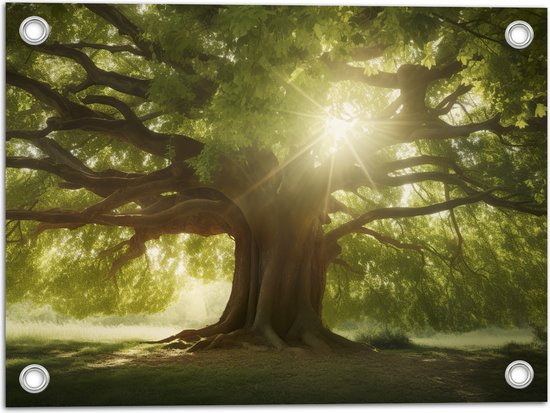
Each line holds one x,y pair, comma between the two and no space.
519,34
519,374
34,378
34,30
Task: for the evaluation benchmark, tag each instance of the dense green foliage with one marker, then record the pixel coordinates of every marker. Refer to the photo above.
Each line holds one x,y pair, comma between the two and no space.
275,92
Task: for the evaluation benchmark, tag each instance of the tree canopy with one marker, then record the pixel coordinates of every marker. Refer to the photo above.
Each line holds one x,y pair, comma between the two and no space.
138,135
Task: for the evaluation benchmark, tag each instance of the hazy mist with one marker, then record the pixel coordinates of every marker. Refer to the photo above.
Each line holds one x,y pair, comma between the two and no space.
199,304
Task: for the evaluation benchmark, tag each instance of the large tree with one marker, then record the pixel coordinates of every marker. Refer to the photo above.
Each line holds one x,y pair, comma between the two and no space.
308,134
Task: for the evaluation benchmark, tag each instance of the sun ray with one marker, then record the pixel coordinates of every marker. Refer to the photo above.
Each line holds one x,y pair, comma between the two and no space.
360,162
279,168
298,89
304,114
338,128
329,184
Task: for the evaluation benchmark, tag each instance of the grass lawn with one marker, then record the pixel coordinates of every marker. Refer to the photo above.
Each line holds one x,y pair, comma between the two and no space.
96,374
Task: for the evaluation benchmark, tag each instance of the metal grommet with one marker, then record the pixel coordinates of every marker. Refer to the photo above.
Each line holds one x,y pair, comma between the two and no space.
34,378
34,30
519,34
519,374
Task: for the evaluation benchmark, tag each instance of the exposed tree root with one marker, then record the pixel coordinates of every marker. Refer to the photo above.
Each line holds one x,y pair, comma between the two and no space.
272,339
318,340
193,335
342,343
234,339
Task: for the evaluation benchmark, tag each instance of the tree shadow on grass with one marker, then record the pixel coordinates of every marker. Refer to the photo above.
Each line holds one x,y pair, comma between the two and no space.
96,374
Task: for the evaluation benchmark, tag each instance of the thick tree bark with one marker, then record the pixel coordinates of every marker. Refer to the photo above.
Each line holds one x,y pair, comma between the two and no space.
292,280
278,285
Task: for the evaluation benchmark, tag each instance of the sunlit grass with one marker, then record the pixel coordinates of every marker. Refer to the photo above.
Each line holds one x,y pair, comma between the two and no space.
485,338
44,331
136,374
201,303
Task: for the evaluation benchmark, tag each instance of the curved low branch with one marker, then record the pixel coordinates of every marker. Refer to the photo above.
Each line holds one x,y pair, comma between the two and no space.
201,216
398,164
98,183
133,131
384,239
416,177
126,194
442,130
116,187
458,178
405,212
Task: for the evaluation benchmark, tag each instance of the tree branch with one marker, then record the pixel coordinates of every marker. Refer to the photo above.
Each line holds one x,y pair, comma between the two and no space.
203,89
366,53
50,147
384,239
200,216
98,183
396,165
46,94
342,71
414,80
97,76
124,25
405,212
133,131
415,177
467,29
456,228
136,248
110,48
119,105
28,134
441,130
448,102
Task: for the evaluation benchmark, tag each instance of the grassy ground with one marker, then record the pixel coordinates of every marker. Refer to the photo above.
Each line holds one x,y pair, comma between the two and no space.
86,374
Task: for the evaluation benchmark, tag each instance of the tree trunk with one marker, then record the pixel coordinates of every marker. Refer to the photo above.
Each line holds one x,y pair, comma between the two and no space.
278,283
291,283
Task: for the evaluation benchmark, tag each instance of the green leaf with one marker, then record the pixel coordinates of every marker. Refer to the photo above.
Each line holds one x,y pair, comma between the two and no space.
370,71
464,59
428,61
317,30
296,74
540,110
521,124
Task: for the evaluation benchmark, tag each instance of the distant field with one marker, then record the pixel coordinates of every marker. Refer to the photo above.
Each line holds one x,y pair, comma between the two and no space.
127,373
124,330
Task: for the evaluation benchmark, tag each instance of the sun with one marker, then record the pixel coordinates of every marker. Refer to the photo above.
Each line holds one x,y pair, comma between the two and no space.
339,122
336,132
336,128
